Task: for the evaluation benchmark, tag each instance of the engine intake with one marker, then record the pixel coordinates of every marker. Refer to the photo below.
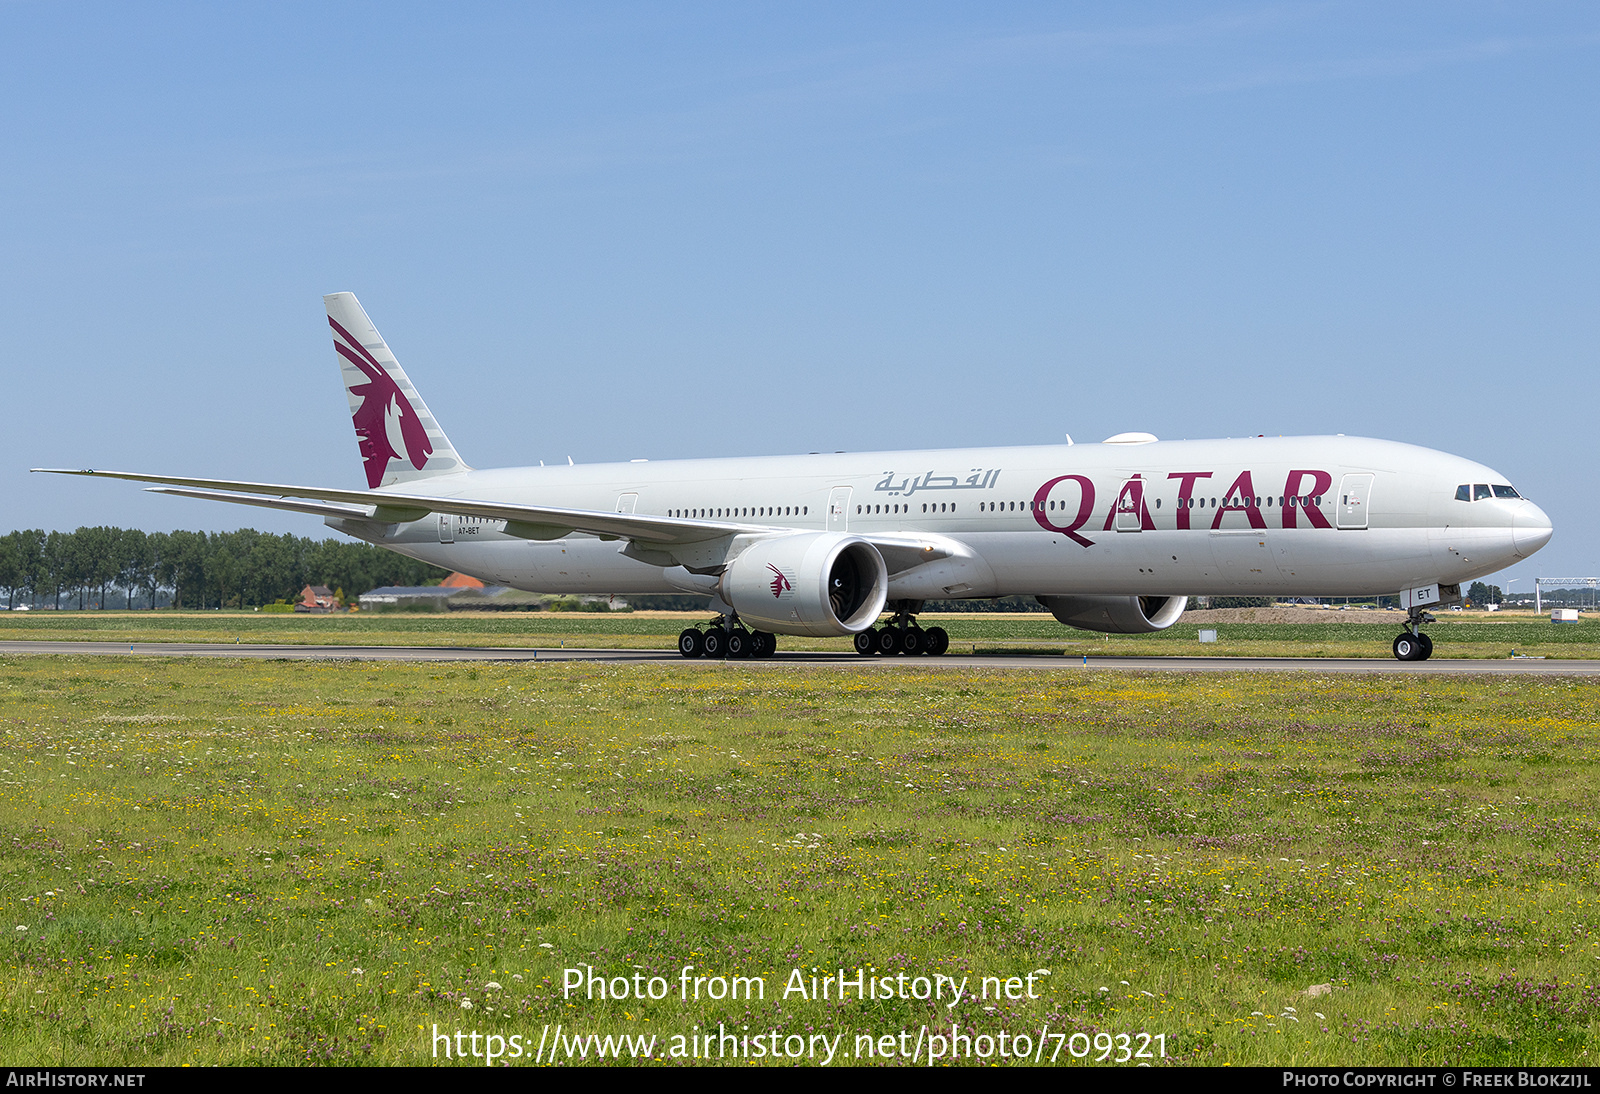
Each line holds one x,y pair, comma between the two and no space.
820,584
1117,614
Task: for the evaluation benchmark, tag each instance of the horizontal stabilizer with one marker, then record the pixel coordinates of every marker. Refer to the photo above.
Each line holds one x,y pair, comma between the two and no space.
319,509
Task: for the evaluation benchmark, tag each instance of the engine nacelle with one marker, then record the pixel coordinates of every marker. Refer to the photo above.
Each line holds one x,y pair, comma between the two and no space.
820,584
1117,614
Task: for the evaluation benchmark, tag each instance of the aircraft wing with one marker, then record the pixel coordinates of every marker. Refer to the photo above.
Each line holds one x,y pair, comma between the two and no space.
900,550
532,521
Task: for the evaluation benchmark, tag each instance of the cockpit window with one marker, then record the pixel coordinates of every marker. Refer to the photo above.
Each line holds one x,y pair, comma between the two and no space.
1480,491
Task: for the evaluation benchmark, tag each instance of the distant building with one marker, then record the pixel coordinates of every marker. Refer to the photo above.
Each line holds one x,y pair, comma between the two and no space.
437,595
462,593
316,598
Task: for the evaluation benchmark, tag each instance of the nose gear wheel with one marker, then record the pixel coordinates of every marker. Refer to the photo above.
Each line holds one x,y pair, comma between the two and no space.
1412,644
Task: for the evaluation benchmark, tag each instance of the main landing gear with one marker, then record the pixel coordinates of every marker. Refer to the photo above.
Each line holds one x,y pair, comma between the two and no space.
725,637
1413,645
902,635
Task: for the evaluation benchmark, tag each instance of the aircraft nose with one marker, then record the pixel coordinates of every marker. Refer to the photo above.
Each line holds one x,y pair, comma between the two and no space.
1530,529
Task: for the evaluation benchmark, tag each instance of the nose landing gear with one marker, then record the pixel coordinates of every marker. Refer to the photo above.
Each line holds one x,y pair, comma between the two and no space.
1413,645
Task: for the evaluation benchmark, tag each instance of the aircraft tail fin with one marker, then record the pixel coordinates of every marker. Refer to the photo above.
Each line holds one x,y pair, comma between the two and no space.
399,438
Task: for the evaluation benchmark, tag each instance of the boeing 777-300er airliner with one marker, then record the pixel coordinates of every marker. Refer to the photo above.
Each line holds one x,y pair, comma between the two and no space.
1111,537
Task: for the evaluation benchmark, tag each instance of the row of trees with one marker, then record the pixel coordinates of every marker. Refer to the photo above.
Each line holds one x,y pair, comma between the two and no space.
1479,594
240,569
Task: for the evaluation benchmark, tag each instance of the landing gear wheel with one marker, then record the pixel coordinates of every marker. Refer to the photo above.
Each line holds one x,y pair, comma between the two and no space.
1427,646
912,642
715,643
763,644
691,643
888,642
739,645
938,641
866,642
1408,647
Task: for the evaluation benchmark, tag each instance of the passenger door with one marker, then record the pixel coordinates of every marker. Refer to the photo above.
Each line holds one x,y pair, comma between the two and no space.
839,509
1355,492
1130,505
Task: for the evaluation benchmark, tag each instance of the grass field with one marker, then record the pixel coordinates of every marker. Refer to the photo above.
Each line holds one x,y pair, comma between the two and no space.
243,862
1464,636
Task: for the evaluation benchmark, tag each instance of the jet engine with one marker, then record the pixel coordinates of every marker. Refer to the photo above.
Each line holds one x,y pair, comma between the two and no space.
1117,614
820,584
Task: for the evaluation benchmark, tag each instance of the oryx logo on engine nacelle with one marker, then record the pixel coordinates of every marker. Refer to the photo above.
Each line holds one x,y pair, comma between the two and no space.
780,583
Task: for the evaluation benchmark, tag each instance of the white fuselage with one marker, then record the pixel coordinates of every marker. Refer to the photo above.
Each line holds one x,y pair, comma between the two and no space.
1312,516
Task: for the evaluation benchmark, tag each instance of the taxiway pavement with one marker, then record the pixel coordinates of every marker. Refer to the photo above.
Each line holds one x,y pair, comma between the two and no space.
1528,666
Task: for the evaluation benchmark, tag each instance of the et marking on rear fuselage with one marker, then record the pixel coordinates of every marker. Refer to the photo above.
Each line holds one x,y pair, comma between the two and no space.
1110,537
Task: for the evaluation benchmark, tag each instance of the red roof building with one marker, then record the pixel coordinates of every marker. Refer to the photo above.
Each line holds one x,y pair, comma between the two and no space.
316,598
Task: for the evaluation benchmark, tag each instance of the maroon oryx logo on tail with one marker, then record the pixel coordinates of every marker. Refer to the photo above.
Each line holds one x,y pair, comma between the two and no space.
780,584
371,417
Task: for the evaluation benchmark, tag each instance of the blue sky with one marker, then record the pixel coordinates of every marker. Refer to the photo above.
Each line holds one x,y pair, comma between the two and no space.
616,231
